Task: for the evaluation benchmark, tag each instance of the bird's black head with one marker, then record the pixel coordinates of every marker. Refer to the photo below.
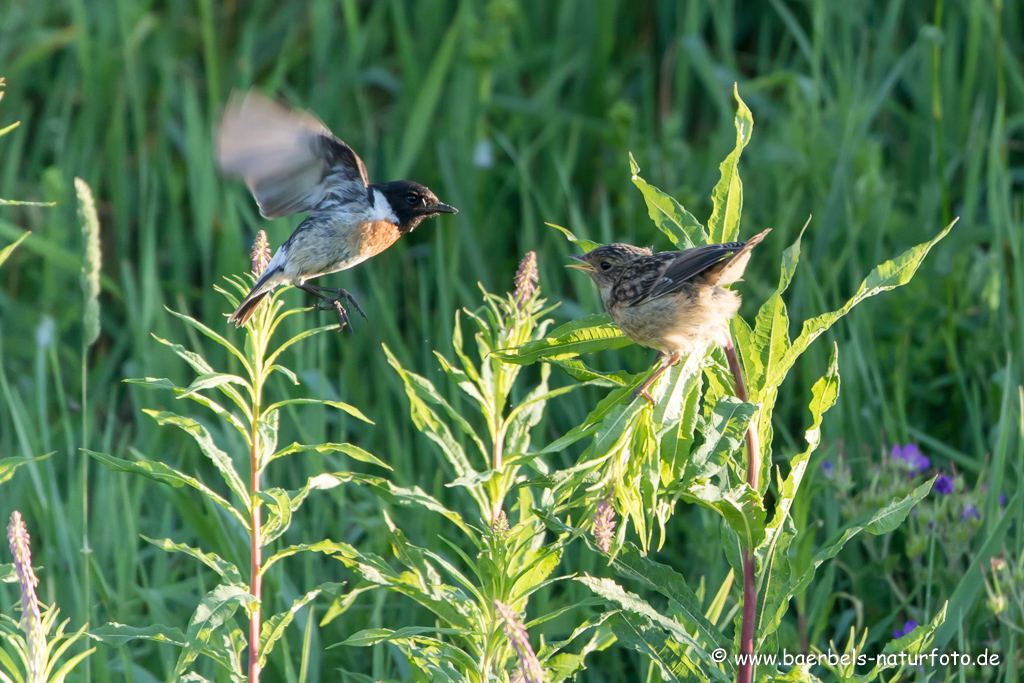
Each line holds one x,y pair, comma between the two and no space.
412,202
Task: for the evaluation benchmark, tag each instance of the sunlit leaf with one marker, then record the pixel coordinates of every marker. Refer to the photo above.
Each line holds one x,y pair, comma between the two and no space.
588,334
727,195
218,606
678,224
228,571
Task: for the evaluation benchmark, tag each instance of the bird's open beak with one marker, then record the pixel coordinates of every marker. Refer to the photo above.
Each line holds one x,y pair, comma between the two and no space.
584,266
443,208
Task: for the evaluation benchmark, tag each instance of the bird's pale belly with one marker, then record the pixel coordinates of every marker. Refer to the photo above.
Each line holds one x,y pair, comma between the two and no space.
679,322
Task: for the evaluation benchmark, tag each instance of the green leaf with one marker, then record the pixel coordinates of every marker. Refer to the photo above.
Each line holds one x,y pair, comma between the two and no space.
274,627
421,394
588,334
373,636
650,621
351,410
215,337
723,436
210,380
629,562
6,252
580,372
272,358
773,555
740,506
116,635
889,275
266,427
678,224
354,452
279,506
881,522
643,635
8,465
199,364
585,245
218,606
157,471
228,571
220,459
727,195
326,547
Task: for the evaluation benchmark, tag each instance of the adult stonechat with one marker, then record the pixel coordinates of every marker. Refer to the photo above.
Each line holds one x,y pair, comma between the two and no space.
293,163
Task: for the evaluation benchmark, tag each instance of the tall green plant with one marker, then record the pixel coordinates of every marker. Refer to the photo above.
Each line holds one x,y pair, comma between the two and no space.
480,596
644,459
212,631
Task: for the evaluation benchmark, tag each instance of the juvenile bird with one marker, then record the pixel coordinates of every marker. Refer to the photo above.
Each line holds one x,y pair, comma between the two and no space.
293,163
672,301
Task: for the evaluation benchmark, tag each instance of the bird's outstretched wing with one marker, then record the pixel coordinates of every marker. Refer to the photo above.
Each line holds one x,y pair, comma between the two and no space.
289,159
668,271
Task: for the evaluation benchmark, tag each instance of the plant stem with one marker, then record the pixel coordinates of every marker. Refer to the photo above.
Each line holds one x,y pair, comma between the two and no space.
256,540
746,668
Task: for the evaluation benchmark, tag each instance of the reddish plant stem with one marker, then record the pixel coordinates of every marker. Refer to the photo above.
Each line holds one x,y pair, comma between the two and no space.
745,673
255,543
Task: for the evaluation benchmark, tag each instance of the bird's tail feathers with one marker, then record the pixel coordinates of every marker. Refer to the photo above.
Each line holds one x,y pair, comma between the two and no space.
256,295
732,268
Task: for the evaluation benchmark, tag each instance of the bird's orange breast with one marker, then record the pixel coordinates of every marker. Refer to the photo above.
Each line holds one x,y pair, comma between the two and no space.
376,237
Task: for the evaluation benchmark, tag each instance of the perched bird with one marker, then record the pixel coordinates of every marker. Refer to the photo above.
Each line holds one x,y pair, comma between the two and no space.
293,163
672,301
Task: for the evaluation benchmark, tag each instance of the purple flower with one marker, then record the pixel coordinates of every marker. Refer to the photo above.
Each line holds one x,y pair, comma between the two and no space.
907,628
828,469
969,512
944,484
1002,500
910,455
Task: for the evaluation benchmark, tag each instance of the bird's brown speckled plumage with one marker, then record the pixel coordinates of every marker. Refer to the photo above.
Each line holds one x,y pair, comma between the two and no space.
672,301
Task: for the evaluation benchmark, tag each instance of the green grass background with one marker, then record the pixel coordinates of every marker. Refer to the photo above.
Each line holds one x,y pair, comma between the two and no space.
883,120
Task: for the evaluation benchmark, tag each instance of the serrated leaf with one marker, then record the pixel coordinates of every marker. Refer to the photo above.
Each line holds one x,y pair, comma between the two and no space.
221,460
157,471
327,547
216,607
678,224
228,571
727,195
588,334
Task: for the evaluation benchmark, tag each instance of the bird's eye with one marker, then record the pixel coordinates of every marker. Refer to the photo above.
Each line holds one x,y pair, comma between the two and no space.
412,199
605,265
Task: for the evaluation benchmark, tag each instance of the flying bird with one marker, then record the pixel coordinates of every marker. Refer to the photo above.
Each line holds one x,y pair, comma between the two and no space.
672,301
292,163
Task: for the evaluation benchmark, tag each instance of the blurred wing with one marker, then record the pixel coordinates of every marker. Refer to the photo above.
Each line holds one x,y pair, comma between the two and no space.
289,159
679,267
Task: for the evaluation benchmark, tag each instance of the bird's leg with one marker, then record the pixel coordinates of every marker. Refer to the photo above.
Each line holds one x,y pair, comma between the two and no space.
334,303
669,361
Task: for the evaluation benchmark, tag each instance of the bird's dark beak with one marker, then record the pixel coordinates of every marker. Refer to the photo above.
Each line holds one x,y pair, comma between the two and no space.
443,208
584,266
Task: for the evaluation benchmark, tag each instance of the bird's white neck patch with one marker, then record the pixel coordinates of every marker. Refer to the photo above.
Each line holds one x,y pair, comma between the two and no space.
381,210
